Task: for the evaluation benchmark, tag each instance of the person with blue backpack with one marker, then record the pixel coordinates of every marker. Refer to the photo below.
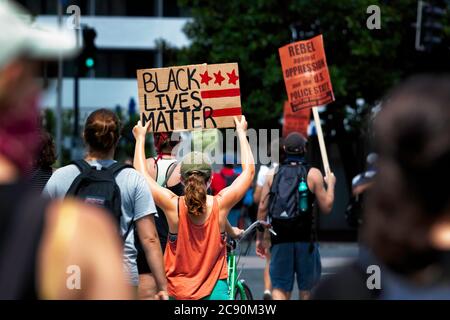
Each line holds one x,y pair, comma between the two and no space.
101,181
287,199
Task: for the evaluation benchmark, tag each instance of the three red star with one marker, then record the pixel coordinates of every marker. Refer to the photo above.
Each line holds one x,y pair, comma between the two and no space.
205,78
219,78
232,77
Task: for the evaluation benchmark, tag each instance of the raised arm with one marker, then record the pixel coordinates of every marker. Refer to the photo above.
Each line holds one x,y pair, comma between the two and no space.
231,195
164,198
325,197
263,207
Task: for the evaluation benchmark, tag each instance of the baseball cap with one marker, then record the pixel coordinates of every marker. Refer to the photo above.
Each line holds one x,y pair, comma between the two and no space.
20,37
195,161
294,143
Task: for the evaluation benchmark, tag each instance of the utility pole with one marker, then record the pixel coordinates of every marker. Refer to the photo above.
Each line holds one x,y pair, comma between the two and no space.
76,102
59,87
159,9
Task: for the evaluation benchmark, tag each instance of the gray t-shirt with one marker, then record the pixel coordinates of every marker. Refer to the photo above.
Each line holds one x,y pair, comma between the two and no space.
137,202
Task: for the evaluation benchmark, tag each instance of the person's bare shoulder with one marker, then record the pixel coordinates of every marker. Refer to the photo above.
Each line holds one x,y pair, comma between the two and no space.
314,177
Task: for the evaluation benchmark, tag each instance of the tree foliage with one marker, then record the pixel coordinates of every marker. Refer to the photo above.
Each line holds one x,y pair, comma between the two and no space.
363,63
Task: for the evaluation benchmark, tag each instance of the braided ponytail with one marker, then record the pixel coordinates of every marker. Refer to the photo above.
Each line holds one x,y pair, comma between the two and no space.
195,193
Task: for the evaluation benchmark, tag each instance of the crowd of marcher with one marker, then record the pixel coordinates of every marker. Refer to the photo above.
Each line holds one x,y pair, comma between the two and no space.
158,229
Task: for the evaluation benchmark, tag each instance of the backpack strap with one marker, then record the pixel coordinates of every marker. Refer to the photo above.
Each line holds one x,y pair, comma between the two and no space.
84,168
115,169
82,165
169,172
130,227
273,191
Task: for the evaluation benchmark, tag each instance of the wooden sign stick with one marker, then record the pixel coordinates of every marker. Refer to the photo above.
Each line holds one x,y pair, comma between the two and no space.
323,149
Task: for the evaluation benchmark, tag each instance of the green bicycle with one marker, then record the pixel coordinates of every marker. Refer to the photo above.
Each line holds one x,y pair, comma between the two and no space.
238,288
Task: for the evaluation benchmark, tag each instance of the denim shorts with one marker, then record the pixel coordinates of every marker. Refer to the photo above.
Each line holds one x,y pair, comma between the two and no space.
294,258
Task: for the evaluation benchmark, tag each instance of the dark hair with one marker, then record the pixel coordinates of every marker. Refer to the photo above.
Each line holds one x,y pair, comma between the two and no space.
412,135
195,193
46,155
163,142
102,130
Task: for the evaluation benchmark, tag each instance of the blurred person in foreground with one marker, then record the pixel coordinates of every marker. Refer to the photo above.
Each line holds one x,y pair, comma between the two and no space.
406,224
288,198
44,243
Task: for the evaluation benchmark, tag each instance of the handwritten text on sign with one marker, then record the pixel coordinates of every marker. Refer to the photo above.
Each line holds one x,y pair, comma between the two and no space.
189,97
305,73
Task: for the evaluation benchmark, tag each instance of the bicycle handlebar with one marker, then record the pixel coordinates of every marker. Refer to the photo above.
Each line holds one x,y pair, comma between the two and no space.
260,225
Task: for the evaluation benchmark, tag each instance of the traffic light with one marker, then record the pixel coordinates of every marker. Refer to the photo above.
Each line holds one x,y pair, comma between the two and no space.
88,57
430,24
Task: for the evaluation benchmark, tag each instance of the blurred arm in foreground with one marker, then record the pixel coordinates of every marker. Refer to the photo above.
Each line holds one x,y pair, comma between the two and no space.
38,258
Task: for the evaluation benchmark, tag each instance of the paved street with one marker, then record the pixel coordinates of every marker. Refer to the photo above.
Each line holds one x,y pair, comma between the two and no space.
334,255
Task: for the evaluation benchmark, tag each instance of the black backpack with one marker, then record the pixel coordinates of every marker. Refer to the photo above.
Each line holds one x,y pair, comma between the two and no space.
99,187
284,195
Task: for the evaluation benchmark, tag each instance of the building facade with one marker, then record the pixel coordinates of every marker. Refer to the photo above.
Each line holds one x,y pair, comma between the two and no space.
128,33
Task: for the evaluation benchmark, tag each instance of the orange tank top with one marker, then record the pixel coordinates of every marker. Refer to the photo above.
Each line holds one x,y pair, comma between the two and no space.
198,257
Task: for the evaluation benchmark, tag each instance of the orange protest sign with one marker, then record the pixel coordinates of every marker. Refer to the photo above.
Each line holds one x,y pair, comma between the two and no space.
305,73
295,121
189,97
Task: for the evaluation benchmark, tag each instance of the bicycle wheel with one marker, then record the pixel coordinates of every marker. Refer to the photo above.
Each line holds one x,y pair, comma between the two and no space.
243,292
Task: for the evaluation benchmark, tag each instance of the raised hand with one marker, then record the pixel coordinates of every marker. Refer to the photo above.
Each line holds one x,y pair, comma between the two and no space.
140,131
241,125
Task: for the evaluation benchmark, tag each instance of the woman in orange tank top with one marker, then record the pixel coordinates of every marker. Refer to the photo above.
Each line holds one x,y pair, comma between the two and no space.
195,256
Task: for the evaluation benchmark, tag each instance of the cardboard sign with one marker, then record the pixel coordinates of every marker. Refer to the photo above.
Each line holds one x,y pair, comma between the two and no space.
189,97
295,121
305,73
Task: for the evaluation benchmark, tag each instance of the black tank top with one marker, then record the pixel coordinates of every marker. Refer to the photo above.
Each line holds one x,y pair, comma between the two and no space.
22,215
